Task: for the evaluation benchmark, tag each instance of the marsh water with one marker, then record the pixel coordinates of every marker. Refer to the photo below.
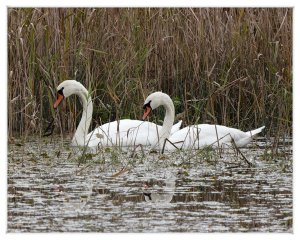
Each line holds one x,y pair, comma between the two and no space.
55,188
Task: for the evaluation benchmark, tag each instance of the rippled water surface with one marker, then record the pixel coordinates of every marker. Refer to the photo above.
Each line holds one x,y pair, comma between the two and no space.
52,187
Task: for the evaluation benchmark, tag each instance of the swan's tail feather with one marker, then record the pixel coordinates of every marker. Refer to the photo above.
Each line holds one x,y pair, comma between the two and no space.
251,134
254,132
176,127
179,124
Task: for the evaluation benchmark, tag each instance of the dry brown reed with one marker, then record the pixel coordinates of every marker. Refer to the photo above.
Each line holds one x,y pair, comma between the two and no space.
228,66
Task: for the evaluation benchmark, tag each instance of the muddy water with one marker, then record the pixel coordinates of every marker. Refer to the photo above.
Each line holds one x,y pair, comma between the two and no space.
206,191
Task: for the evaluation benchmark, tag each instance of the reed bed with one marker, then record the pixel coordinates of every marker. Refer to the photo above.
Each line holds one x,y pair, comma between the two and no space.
228,66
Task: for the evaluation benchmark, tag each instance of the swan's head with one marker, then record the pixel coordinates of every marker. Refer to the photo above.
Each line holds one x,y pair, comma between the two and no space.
153,101
66,89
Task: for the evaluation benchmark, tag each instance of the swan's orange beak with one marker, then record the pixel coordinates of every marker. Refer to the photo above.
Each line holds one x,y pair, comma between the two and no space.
146,112
58,100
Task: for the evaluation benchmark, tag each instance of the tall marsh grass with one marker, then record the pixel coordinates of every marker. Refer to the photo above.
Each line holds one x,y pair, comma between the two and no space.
228,66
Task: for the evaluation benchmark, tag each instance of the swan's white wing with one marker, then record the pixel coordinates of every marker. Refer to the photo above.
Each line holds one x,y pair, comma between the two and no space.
176,127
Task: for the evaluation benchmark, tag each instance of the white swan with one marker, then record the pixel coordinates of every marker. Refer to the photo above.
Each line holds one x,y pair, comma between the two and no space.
122,133
195,136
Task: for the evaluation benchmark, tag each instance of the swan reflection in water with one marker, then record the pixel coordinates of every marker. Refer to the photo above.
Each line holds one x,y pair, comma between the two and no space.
76,201
159,191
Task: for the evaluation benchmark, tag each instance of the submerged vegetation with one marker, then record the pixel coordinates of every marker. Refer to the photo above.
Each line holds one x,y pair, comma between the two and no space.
213,191
221,66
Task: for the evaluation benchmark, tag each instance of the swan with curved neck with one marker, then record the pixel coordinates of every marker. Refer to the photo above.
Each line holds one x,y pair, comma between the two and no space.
123,133
153,101
195,136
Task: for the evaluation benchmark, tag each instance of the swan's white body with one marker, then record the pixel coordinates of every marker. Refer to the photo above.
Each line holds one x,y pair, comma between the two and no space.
122,133
202,135
196,136
129,133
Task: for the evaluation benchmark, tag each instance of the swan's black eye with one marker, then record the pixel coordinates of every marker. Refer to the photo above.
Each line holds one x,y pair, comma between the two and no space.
147,105
60,91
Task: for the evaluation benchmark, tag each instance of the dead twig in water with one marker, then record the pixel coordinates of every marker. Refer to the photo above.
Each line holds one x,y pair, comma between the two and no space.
135,147
123,170
219,149
239,151
49,130
163,149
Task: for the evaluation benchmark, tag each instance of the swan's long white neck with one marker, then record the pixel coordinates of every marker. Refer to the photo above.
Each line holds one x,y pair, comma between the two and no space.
80,138
165,132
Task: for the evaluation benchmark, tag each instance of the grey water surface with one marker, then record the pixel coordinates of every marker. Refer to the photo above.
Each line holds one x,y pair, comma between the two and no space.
55,188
